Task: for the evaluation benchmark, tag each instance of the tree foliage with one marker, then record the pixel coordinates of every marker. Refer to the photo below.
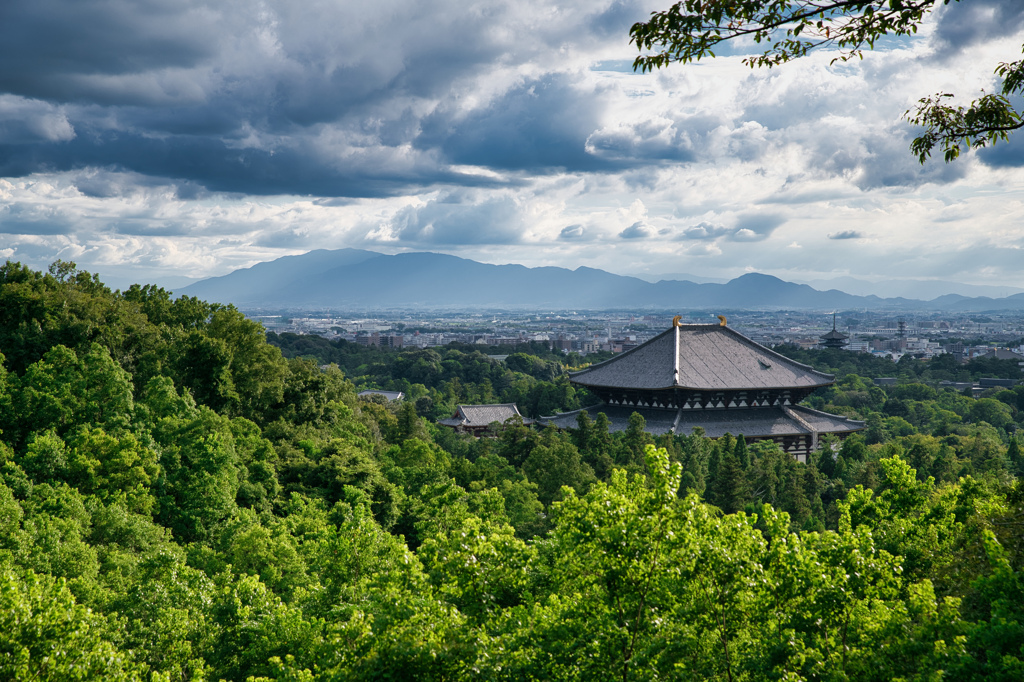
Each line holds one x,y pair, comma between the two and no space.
691,30
262,522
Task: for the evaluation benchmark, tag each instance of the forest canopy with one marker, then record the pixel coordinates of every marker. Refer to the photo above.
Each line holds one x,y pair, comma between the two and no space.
181,500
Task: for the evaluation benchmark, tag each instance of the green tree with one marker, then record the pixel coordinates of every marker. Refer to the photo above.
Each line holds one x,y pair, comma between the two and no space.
410,424
57,526
479,567
1014,457
554,464
994,644
200,476
730,484
257,369
990,410
45,635
265,550
634,440
113,468
251,625
203,365
165,614
696,455
692,30
66,389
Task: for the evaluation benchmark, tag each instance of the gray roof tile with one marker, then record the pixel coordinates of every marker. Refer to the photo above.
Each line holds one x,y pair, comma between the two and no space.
390,395
753,422
710,357
482,415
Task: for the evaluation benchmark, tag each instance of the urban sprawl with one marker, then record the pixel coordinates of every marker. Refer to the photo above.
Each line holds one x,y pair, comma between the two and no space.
889,335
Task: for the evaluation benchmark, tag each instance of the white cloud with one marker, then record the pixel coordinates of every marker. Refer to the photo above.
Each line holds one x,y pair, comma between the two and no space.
246,132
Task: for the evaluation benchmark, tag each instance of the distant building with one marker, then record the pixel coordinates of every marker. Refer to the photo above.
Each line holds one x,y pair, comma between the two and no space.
565,344
956,385
385,341
834,338
993,383
477,419
390,395
714,378
1001,354
504,341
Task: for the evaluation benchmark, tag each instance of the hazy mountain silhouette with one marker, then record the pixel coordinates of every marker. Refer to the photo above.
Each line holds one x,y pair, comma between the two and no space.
354,279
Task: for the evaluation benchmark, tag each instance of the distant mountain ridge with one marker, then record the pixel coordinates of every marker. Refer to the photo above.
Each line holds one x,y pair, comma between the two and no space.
354,279
915,289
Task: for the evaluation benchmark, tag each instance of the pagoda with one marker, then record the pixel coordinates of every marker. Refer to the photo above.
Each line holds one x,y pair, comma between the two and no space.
713,378
834,338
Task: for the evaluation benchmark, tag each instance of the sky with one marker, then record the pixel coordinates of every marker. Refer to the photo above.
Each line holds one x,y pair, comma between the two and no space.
155,140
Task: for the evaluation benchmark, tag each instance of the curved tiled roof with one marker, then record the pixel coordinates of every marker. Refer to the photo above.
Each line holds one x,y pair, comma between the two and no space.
752,423
482,415
701,357
390,395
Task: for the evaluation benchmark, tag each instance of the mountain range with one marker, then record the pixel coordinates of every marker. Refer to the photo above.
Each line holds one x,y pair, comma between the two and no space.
354,279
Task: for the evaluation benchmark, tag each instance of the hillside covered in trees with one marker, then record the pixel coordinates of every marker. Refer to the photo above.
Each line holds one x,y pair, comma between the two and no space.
182,500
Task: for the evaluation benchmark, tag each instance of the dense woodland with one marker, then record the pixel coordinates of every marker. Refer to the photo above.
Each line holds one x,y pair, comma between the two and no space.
182,500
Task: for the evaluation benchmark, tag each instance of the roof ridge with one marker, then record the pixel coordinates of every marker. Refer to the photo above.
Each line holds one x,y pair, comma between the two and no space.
622,354
827,414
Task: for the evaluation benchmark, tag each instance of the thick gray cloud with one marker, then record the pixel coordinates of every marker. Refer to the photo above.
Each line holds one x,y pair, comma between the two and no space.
455,218
74,50
573,232
969,22
705,231
540,124
338,99
1004,154
200,134
846,234
748,227
637,230
24,121
321,97
647,142
754,227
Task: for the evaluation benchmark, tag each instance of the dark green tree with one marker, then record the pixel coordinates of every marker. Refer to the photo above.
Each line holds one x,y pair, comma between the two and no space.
555,463
732,491
1014,457
634,441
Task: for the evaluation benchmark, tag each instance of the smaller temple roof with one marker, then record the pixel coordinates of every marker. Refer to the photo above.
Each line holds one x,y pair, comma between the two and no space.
703,357
479,416
390,395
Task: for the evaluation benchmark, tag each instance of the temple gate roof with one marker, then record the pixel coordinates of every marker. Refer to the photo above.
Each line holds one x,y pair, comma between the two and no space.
479,416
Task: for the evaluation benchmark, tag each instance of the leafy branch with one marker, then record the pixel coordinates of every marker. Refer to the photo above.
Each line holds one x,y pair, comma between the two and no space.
691,30
987,120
